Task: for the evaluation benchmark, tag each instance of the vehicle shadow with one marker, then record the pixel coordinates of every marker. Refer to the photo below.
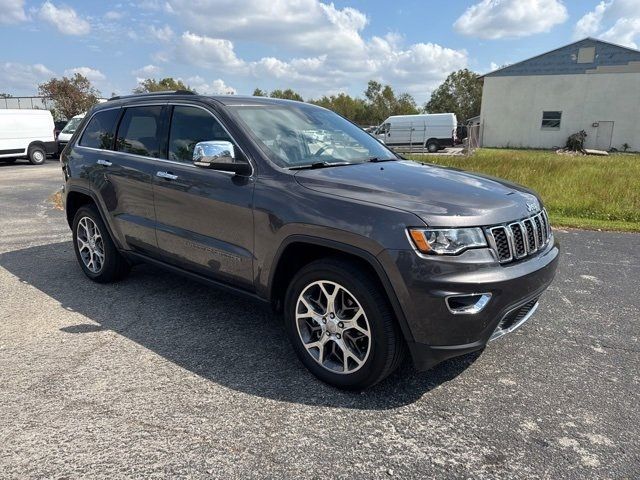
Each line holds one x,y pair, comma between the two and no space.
221,337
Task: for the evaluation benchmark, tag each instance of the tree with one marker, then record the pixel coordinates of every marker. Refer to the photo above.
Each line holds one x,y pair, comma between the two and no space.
70,96
287,94
6,95
152,85
461,93
349,107
259,93
382,102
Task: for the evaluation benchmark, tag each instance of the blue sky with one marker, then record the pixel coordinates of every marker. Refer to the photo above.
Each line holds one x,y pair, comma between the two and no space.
315,47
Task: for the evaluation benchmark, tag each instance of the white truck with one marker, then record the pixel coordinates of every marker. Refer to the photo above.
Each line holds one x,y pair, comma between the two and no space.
26,134
432,131
67,132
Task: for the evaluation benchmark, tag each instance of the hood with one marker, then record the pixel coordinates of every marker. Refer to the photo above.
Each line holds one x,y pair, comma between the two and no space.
439,196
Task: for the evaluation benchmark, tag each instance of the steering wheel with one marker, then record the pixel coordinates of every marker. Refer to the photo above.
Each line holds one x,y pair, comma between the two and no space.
320,151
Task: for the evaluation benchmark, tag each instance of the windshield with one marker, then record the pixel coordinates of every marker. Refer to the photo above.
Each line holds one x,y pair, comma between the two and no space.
305,135
71,125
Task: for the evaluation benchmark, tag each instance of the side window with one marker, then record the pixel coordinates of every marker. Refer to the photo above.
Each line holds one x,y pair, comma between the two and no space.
99,131
139,131
190,125
551,120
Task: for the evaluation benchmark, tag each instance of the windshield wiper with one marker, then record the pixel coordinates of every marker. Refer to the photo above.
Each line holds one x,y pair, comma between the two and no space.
377,160
318,165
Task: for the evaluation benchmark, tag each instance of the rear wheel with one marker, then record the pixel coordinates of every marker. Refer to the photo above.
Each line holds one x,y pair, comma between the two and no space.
95,251
433,146
37,155
341,325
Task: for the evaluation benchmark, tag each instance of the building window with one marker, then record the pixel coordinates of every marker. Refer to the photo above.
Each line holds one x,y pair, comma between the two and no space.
551,120
586,55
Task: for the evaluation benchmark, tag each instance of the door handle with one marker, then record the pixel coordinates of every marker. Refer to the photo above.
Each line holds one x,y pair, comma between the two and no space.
104,163
167,175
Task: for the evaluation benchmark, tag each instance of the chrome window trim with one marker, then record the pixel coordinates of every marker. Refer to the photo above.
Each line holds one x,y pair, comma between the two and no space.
164,160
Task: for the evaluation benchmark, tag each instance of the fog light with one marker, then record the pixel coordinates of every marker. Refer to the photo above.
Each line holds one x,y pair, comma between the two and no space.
467,304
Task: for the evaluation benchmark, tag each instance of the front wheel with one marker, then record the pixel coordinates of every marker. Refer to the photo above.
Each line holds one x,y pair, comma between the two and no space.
341,325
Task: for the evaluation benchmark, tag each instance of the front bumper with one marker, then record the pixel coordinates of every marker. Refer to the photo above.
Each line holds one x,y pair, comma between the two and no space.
422,283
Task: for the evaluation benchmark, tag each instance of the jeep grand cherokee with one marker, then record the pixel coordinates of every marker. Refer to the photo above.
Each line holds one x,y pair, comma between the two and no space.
368,256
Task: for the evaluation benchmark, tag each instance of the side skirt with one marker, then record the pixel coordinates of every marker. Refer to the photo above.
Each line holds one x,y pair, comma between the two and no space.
138,257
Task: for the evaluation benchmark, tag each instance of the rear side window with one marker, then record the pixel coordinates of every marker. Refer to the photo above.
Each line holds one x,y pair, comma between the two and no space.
190,125
139,131
99,131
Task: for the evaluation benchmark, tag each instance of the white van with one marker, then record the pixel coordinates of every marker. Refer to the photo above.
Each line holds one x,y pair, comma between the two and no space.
26,134
67,132
432,131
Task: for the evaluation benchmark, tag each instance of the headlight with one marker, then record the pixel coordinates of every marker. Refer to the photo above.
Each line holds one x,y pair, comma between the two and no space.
447,241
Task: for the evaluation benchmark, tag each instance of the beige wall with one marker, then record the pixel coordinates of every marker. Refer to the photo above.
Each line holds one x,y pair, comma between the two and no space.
512,108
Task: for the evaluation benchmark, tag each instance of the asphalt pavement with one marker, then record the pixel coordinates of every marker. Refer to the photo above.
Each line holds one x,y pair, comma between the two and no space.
158,376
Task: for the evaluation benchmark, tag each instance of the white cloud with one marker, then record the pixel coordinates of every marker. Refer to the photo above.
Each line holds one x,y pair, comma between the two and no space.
65,19
297,25
320,47
113,15
207,52
617,21
217,87
91,73
22,79
147,71
12,11
162,34
493,19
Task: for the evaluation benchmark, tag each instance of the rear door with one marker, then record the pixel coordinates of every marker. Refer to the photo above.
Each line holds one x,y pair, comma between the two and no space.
129,173
204,217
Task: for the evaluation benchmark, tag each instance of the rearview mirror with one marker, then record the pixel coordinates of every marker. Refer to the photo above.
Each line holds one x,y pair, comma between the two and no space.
219,155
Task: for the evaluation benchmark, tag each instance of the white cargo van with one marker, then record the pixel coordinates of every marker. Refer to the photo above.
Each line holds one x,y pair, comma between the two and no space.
26,134
67,132
432,131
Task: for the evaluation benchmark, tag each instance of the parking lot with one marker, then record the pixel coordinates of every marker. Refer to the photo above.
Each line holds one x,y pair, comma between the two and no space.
160,376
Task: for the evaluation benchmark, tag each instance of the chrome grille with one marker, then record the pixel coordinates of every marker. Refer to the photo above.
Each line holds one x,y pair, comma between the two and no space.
520,239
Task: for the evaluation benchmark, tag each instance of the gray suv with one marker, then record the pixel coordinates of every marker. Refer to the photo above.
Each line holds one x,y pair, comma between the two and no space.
366,255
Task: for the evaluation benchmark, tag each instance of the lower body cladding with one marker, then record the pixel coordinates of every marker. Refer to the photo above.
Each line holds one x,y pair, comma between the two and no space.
453,305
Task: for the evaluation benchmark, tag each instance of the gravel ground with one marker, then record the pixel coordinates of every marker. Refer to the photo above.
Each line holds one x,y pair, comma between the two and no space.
162,377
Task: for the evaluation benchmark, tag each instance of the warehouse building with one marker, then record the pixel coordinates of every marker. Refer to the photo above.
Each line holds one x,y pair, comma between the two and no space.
589,85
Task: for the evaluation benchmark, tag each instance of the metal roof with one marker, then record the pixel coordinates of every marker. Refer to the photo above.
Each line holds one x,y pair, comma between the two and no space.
563,60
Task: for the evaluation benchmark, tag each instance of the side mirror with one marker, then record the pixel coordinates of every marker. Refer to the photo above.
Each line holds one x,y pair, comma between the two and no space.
219,155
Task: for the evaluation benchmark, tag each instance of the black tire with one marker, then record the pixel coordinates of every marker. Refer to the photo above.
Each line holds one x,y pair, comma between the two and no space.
433,146
387,347
115,266
37,155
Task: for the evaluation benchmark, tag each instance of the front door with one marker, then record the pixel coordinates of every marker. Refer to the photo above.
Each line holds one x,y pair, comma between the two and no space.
604,135
204,217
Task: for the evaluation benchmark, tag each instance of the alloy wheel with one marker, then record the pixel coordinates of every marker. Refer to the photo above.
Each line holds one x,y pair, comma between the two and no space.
333,327
90,244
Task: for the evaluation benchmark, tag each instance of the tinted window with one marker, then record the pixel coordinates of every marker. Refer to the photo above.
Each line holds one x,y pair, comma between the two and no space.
99,131
190,125
139,131
551,119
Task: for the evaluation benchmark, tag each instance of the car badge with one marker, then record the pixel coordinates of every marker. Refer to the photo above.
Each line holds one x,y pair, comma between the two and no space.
532,207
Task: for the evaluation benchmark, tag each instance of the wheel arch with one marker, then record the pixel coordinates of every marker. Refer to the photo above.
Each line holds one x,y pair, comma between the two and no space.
75,198
297,251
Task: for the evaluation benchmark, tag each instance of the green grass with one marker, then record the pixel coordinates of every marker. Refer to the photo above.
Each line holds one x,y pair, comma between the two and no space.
578,191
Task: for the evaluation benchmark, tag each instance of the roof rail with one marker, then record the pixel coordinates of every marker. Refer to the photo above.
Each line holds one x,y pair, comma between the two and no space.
164,92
